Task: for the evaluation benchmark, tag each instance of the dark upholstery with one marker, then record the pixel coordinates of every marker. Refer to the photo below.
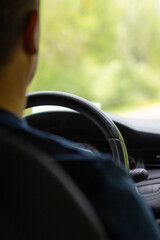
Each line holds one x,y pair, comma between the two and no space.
38,200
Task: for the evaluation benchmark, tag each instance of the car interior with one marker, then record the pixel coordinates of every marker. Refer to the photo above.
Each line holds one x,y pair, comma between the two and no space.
37,178
140,146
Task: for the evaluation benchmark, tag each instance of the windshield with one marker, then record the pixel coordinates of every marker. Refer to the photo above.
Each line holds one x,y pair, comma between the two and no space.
105,51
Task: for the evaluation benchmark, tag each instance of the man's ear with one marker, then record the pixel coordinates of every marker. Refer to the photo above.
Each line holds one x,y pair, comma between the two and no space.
31,33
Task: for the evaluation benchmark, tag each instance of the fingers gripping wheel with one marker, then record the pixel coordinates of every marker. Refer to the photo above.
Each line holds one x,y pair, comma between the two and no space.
86,108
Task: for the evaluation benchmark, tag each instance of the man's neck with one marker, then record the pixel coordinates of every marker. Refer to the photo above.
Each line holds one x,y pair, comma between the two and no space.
12,90
12,101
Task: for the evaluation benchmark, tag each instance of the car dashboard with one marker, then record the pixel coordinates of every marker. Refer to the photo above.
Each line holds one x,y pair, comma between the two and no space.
142,145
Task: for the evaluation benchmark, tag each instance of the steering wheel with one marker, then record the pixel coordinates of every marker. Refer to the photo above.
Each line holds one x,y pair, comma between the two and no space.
86,108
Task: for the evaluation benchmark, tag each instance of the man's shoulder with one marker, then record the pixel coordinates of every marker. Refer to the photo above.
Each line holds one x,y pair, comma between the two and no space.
52,144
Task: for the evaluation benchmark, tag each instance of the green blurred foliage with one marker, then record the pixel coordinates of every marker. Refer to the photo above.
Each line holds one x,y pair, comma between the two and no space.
105,51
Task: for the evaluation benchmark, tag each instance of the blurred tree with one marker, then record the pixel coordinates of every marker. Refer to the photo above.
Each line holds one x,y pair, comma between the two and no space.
105,51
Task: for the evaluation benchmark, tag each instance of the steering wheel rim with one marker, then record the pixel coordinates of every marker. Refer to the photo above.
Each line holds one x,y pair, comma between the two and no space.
86,108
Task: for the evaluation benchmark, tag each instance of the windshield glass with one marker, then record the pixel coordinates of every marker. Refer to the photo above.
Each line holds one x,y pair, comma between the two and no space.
105,51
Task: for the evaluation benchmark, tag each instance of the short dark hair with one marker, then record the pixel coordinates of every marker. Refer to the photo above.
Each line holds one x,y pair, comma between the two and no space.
13,16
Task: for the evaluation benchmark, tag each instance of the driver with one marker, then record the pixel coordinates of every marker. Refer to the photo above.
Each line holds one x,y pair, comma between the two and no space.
107,186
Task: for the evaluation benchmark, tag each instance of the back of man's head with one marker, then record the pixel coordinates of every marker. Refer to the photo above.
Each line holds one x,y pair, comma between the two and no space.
13,17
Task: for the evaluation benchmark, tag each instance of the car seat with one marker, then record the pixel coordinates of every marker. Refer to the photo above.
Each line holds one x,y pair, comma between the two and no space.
38,200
